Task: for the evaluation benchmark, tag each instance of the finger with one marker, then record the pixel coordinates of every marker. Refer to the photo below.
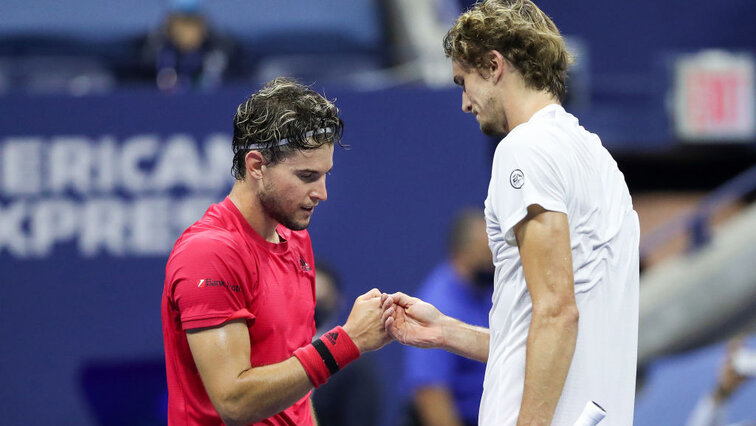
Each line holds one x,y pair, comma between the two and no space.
402,299
388,302
387,313
370,294
388,326
384,296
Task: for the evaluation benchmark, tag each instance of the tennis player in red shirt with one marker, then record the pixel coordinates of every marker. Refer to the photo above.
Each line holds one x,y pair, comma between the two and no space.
239,294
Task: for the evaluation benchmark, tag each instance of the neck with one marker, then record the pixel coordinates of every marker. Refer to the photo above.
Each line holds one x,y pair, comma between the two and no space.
248,203
523,105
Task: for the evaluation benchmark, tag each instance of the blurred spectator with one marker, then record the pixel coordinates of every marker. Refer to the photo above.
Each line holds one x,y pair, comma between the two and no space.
186,53
711,408
417,29
446,388
352,397
329,302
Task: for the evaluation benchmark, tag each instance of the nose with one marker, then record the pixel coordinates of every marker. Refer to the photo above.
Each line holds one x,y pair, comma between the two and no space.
319,192
466,104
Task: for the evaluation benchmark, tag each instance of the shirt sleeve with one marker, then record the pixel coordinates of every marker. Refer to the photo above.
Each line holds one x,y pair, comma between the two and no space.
207,287
525,172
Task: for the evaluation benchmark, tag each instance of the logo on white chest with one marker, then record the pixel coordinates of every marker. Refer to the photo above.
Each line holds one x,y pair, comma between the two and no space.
517,179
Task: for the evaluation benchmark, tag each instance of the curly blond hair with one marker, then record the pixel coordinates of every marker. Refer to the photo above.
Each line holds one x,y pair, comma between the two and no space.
521,32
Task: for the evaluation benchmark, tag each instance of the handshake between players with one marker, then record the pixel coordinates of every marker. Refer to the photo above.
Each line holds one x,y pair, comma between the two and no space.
377,318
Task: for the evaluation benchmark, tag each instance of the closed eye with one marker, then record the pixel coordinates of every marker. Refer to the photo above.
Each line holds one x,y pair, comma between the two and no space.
308,176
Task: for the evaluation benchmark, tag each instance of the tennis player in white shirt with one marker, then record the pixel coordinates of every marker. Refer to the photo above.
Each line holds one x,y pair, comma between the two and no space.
563,329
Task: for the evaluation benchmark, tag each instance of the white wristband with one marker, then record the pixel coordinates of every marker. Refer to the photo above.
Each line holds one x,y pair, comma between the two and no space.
592,415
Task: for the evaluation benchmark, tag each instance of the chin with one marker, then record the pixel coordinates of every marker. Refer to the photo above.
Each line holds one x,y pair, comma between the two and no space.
491,130
297,225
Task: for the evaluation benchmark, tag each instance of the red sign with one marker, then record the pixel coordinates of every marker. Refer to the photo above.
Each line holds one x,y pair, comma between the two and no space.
714,97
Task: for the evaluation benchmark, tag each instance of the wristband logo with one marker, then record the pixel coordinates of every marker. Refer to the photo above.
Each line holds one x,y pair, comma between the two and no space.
207,282
332,336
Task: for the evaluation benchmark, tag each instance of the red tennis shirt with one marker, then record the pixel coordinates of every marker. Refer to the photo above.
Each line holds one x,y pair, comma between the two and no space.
220,269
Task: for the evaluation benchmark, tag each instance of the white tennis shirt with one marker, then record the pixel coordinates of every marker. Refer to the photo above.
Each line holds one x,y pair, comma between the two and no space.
554,162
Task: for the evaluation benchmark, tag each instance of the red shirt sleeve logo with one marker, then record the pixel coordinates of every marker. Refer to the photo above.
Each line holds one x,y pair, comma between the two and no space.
207,282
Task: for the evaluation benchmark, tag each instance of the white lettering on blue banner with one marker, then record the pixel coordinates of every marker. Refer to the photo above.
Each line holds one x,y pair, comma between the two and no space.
103,196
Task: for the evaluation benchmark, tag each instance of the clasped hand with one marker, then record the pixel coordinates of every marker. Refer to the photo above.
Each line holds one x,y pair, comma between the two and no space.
377,318
413,322
364,325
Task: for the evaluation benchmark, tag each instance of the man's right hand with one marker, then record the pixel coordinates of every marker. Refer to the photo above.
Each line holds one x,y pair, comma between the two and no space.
413,322
365,325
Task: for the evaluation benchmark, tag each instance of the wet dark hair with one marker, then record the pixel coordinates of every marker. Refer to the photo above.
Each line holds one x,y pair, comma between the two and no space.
283,109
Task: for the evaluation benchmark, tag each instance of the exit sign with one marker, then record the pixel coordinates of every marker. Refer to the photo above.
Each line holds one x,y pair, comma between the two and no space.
714,97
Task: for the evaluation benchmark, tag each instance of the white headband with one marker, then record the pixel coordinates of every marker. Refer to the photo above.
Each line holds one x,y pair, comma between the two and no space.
284,141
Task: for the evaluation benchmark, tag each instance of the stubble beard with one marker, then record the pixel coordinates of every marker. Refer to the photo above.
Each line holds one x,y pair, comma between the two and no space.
489,129
273,208
492,128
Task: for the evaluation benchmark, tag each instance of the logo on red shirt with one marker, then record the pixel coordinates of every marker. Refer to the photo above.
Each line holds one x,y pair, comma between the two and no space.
207,282
304,265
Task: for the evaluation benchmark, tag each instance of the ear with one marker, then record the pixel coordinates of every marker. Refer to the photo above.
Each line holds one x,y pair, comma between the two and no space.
498,65
255,164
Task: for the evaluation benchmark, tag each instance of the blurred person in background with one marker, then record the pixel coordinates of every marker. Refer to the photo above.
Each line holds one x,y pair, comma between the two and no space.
414,29
711,408
185,53
563,329
239,296
446,388
352,397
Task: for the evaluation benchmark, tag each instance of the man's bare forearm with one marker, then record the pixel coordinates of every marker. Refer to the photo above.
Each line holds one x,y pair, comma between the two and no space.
261,392
244,394
465,340
550,347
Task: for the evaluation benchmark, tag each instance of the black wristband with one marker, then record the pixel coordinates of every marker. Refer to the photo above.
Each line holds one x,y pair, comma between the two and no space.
327,356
